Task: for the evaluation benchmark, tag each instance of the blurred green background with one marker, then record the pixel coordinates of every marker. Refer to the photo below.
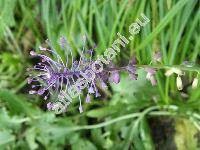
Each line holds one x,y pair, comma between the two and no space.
132,114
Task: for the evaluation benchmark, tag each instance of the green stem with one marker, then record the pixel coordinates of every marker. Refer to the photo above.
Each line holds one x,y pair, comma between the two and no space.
100,125
129,116
181,67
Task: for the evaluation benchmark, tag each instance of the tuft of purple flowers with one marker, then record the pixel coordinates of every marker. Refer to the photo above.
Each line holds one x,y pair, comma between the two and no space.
53,75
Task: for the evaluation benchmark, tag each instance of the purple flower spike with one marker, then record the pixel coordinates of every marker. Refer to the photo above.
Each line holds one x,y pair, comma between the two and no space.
54,74
87,99
114,77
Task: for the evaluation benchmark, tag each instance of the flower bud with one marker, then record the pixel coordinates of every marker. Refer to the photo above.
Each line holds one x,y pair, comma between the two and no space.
42,48
179,83
41,91
32,92
157,57
173,70
150,75
87,100
32,53
49,106
97,94
29,80
103,85
45,98
195,83
114,77
169,72
80,108
91,90
177,71
153,80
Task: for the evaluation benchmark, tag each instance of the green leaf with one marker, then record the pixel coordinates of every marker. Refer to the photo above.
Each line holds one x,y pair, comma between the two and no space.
6,137
129,87
10,122
97,137
6,14
101,112
136,92
169,16
31,137
83,145
146,135
17,104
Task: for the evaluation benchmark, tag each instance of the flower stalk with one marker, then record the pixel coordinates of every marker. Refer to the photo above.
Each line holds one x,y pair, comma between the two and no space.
68,80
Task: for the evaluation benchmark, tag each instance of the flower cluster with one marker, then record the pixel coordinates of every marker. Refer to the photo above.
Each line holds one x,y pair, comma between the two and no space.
62,80
53,77
180,73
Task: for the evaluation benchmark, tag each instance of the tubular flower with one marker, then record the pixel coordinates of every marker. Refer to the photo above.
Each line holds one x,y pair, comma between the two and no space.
179,83
87,99
179,73
150,75
49,106
131,69
157,57
173,70
195,83
114,77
